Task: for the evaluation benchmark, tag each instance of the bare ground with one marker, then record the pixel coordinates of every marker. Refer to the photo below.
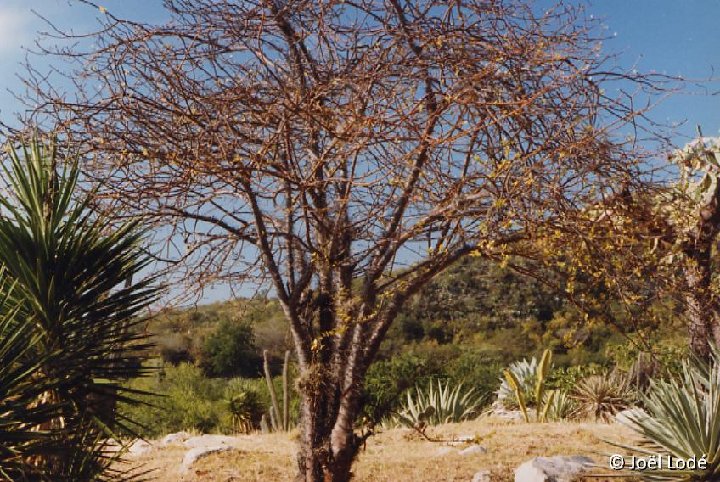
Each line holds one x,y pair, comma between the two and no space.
401,454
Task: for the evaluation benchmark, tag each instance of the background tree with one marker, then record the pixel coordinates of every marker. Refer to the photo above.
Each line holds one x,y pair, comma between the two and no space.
652,246
346,153
231,351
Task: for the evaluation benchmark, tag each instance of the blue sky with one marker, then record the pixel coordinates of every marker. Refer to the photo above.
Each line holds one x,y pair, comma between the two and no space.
667,36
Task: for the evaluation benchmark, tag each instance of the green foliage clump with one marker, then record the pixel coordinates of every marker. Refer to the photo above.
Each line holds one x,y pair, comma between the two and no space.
561,407
185,399
566,378
388,380
230,351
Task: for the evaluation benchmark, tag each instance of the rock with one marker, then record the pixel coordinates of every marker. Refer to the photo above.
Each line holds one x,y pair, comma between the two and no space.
481,476
197,453
624,416
208,440
442,451
175,438
499,411
553,469
473,449
139,447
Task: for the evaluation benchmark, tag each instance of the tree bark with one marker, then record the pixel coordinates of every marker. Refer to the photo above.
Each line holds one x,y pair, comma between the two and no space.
702,325
702,307
328,444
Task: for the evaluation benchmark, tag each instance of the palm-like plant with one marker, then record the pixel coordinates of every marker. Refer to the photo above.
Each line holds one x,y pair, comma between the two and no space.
444,404
69,322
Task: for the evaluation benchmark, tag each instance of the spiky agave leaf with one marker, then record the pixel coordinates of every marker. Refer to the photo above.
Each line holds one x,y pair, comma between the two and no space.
525,372
439,404
682,419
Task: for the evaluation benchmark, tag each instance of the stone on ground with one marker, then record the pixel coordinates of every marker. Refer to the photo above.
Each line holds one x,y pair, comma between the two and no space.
553,469
175,438
209,440
481,476
139,447
473,449
197,453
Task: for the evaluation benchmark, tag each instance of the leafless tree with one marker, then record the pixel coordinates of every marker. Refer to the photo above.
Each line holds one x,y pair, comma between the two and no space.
347,151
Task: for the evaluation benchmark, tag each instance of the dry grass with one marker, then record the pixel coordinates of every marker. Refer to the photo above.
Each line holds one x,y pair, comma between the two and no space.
401,454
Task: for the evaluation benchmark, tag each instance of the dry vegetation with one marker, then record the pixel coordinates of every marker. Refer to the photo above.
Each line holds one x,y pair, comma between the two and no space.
401,454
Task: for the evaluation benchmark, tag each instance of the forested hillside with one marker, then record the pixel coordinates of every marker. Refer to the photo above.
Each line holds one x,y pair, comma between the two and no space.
466,326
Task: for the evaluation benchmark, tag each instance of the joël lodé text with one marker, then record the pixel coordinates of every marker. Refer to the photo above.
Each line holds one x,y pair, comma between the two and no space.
669,462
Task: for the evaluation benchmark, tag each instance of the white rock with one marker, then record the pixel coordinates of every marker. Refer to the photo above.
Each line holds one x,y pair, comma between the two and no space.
499,411
473,449
209,440
139,447
481,476
442,451
553,469
175,438
197,453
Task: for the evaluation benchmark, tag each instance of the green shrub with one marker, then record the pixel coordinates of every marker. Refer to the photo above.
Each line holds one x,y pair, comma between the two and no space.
230,351
562,407
175,348
185,399
388,380
567,378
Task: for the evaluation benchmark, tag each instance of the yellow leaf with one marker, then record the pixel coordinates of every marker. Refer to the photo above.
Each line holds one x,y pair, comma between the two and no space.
102,9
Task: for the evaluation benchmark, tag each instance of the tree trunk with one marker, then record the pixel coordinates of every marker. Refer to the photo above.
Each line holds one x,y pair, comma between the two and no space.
701,309
328,444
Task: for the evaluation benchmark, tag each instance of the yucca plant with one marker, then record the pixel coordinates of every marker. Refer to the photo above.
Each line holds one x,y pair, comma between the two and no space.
245,410
682,420
439,403
601,397
72,328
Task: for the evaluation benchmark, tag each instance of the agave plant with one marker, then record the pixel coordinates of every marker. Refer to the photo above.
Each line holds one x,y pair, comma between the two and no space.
682,420
601,397
525,374
541,398
441,404
68,337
